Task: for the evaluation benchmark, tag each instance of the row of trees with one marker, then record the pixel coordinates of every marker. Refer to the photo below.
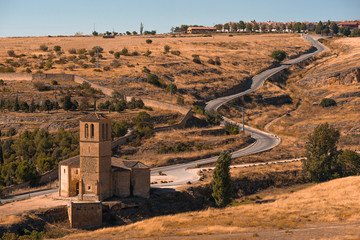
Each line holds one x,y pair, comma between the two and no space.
113,33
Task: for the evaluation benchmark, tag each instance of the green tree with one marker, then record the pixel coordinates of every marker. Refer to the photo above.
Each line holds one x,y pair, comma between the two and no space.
67,103
119,129
319,28
57,48
226,26
16,105
263,27
47,105
242,25
221,183
256,27
278,55
321,153
345,31
334,28
95,33
141,28
349,162
249,27
327,102
26,171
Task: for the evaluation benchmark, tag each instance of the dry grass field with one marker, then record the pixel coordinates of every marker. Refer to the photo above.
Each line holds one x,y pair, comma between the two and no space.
183,145
333,203
240,56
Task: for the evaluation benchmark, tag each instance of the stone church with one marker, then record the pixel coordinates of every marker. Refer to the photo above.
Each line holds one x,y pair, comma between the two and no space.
95,175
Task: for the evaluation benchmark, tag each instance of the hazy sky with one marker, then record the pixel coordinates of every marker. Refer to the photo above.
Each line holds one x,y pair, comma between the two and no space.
65,17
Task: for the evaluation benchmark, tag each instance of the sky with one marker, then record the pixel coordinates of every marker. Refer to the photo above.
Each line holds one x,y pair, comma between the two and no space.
65,17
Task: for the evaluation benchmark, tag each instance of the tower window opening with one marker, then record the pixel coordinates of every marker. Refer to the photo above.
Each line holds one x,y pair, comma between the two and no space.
86,130
92,130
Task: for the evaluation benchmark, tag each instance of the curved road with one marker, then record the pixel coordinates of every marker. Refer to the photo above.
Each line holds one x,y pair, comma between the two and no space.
263,141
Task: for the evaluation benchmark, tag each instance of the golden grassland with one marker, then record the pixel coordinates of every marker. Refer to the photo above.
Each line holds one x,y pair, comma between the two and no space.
336,201
199,146
240,56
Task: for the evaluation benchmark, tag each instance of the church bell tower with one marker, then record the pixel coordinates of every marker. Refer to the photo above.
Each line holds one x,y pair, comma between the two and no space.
95,157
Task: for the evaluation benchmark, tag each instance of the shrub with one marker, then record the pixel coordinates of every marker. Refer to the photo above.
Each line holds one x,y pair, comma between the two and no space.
171,87
213,117
166,48
43,48
146,70
72,51
148,41
111,52
11,53
97,70
211,61
28,70
117,55
231,128
278,55
135,53
198,109
147,53
175,52
115,64
124,51
92,53
93,60
99,48
217,61
153,79
327,102
196,59
57,48
107,68
81,51
119,129
54,82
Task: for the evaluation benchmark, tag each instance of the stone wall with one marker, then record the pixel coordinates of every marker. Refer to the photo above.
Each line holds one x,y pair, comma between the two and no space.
121,183
140,181
16,76
85,215
52,76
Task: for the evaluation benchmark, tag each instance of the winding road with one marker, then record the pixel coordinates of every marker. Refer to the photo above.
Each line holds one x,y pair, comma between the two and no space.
182,174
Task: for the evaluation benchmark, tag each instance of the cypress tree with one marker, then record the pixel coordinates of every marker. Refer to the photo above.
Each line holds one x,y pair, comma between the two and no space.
221,184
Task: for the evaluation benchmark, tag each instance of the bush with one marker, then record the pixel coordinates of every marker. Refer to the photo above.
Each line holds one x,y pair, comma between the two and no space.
72,51
232,129
54,82
147,53
6,69
97,70
93,60
199,109
217,61
171,87
97,48
111,52
117,55
327,102
124,51
11,53
211,61
146,70
92,53
135,53
278,55
166,48
175,52
43,48
81,51
148,41
57,48
180,101
11,132
153,79
196,59
107,68
28,70
119,129
213,117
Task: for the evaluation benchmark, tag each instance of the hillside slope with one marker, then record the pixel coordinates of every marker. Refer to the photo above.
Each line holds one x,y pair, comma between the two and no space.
329,210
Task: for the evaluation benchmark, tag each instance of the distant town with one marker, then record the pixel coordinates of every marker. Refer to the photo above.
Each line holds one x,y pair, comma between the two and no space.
326,28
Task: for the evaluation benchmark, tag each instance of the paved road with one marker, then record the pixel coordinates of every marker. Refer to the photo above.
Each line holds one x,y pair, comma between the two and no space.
28,195
263,141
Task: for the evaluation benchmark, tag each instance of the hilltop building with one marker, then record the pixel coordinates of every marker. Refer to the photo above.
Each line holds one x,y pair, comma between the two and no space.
192,30
95,175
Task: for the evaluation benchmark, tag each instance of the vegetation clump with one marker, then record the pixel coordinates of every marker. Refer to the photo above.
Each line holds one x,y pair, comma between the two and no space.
232,129
323,161
221,183
213,117
278,55
327,102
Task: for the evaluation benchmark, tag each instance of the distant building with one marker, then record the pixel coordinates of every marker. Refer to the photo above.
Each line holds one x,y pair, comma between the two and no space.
349,24
95,175
195,30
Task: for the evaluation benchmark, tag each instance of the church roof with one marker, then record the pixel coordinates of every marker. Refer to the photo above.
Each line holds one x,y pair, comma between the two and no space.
74,161
118,162
93,117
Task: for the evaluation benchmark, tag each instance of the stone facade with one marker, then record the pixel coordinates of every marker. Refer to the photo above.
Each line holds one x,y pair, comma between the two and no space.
85,214
95,175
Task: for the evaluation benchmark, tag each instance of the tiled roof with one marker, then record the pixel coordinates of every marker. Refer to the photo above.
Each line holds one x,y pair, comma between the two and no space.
74,161
94,117
118,162
201,28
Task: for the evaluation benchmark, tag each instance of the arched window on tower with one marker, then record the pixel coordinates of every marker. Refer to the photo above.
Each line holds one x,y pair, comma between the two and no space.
86,130
107,130
102,131
92,130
